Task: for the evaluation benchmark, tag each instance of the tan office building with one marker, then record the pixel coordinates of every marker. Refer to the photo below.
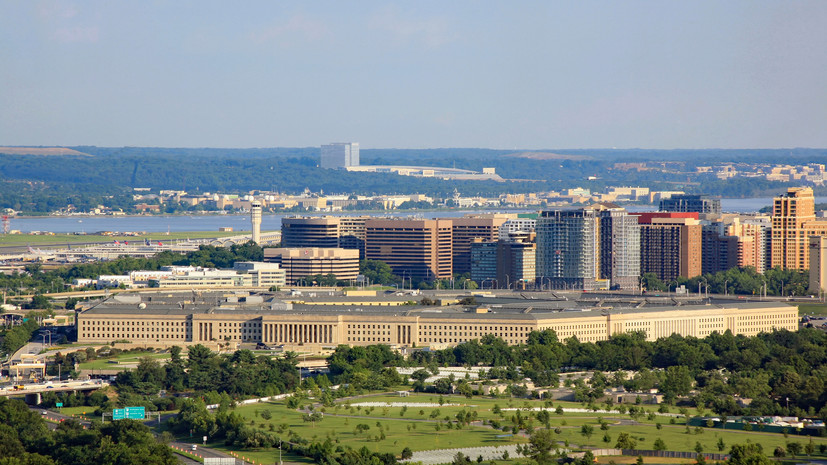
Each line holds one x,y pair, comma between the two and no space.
255,319
414,248
465,230
299,263
793,222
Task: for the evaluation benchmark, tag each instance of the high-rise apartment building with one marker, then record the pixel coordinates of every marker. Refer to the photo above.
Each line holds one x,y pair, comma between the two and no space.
340,155
670,245
619,248
467,228
414,248
690,203
732,240
568,248
793,222
589,248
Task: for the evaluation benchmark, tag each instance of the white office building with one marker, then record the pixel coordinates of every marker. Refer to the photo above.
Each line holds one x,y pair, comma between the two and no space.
340,155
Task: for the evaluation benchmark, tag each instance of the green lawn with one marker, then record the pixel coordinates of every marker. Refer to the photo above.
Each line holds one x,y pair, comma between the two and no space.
399,432
422,436
118,362
418,431
812,309
84,411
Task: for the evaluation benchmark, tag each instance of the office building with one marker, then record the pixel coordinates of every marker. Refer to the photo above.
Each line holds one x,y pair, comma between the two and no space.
262,274
516,264
467,228
484,263
346,232
310,232
793,222
340,155
682,203
416,249
299,263
161,321
352,233
670,245
818,265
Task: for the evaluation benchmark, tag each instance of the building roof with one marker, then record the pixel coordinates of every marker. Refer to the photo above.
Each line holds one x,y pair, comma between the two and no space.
186,303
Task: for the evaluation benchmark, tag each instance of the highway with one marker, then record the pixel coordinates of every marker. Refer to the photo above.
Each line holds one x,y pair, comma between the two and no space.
33,388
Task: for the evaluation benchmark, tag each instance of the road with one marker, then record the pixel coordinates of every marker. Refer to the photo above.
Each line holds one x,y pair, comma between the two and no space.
54,418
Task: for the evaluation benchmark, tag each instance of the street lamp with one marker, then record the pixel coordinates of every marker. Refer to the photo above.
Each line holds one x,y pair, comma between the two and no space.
725,289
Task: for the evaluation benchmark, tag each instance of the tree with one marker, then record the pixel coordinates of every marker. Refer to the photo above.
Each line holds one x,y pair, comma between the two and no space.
720,444
748,454
625,441
586,431
659,444
407,453
540,444
794,448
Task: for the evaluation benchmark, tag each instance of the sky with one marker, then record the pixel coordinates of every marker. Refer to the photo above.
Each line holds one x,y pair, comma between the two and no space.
527,75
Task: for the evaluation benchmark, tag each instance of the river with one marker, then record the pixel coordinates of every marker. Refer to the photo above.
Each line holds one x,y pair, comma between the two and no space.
155,224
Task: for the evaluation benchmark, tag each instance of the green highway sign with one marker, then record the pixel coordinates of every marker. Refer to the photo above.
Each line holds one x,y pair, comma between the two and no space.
131,413
136,413
59,404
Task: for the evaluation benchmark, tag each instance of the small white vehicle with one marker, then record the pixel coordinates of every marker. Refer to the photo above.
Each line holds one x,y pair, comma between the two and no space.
194,447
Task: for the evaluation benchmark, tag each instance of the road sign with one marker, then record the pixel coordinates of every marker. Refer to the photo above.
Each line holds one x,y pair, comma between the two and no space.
136,413
59,404
131,413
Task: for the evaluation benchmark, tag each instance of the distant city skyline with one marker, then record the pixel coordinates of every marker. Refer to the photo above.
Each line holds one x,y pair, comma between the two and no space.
502,75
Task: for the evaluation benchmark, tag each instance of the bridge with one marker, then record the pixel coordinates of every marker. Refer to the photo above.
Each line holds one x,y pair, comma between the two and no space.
33,391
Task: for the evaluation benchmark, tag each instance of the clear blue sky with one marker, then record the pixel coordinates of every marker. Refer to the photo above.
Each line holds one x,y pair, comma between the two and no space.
415,74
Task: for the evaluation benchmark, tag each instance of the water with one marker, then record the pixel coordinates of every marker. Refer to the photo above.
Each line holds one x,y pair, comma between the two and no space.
155,224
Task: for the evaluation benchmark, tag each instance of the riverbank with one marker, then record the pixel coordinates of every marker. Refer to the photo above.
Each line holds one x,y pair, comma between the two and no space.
10,243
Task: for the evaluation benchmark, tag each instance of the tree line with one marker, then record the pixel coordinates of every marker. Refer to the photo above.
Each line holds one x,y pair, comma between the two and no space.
738,280
26,440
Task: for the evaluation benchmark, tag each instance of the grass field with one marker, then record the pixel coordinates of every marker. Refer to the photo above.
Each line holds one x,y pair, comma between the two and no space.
417,431
812,309
118,362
